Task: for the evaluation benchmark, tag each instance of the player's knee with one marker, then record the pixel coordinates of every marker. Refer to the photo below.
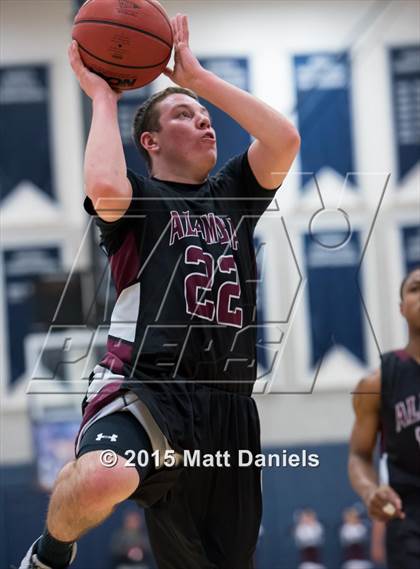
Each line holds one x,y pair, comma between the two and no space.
100,485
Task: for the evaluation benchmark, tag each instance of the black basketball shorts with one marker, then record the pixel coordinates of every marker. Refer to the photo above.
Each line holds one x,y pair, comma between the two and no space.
211,517
199,516
403,537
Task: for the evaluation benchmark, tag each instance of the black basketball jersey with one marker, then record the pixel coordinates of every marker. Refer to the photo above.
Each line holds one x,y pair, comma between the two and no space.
183,263
400,419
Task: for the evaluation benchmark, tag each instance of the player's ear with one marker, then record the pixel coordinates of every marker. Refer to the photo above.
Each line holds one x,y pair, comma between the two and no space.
402,308
149,141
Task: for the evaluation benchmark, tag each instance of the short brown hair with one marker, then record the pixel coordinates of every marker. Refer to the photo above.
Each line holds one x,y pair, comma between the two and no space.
147,116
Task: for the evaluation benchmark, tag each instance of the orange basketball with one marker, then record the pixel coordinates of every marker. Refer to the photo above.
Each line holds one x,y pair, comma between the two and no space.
127,42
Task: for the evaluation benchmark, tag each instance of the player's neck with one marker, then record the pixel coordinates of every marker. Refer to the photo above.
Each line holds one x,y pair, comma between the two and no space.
181,176
413,346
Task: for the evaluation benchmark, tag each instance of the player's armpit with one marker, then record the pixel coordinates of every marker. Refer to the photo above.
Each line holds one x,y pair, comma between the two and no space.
111,204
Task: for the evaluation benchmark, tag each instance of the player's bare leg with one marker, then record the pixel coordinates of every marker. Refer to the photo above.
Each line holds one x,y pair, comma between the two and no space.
85,493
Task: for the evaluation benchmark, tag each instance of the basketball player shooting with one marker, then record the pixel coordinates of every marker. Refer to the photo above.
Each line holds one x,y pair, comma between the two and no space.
388,403
181,351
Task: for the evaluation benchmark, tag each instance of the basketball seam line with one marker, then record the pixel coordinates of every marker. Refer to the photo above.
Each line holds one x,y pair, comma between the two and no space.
162,13
124,26
120,64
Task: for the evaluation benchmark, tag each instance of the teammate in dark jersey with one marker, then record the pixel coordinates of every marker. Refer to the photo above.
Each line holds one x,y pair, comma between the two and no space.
181,354
388,403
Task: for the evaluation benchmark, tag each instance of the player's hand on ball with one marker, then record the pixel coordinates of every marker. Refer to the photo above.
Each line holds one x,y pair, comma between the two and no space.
384,504
187,68
90,82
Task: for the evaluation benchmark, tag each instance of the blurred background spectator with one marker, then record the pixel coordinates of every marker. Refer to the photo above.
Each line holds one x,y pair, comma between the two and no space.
130,547
309,539
354,536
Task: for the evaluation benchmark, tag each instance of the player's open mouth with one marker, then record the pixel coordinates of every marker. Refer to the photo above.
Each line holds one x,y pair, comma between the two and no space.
209,136
208,139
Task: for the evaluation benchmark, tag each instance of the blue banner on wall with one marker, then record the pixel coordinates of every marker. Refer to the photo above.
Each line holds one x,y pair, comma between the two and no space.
405,74
21,268
324,113
232,139
334,299
25,149
411,247
127,107
54,442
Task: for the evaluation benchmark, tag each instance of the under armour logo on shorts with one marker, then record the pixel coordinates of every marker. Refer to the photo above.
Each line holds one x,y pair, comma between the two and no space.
113,438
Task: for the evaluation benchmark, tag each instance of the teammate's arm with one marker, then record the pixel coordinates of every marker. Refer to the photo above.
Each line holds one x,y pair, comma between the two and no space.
105,170
277,140
362,473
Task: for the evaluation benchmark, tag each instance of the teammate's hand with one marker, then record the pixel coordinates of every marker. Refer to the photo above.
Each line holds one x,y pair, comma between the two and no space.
90,82
187,68
384,504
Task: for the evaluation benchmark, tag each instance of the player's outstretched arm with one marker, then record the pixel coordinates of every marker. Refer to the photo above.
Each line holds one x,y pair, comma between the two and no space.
382,502
105,170
277,140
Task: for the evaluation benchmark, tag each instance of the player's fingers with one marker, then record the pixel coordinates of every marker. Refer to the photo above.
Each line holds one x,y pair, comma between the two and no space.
393,508
389,496
175,29
75,51
396,500
185,29
378,511
72,59
390,503
70,54
389,509
75,59
180,25
377,501
379,515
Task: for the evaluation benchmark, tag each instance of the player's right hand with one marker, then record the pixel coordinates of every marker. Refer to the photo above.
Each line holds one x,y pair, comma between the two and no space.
384,504
187,69
90,82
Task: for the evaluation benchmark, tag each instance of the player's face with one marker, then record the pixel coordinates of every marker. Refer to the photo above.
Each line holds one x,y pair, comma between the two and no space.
186,136
410,304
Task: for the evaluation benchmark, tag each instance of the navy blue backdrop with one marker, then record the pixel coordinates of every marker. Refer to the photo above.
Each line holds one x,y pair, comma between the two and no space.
324,113
25,148
232,139
127,108
22,266
411,247
405,77
334,299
